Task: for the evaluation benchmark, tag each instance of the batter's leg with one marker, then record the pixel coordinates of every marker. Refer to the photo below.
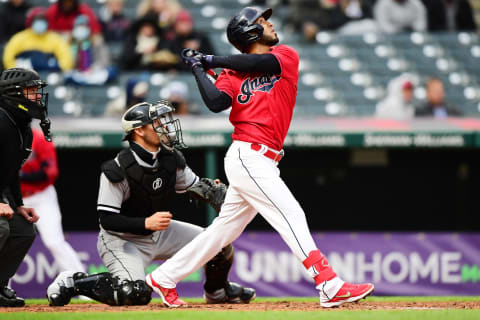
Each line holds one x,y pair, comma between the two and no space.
217,287
263,188
232,220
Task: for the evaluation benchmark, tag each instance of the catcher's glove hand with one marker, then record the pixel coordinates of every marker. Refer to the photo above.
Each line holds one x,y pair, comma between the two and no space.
210,191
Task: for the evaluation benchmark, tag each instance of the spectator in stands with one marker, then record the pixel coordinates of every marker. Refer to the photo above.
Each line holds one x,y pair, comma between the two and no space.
398,104
184,36
450,15
36,47
347,16
145,48
12,18
177,93
114,21
136,91
91,55
61,16
435,105
395,16
164,11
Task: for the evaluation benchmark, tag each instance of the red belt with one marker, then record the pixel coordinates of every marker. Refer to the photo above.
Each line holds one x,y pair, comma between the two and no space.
275,156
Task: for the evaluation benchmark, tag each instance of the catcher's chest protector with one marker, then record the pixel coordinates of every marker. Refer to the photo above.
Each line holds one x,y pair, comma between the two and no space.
151,189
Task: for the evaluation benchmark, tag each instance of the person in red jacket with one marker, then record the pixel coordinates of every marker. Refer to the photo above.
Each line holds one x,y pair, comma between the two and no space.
61,16
37,178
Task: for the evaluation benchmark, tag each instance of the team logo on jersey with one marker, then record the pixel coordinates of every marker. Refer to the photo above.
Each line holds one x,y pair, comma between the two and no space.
263,83
157,183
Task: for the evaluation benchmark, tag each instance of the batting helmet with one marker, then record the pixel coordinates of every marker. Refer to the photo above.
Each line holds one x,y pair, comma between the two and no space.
242,30
168,128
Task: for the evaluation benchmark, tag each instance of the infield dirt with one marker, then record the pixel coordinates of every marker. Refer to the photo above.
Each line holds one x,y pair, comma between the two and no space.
261,306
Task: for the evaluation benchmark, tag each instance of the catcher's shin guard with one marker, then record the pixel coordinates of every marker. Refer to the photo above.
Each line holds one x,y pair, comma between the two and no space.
217,287
217,269
110,290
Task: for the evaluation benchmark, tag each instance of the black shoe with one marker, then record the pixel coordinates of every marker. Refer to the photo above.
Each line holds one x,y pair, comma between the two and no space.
239,294
8,298
231,293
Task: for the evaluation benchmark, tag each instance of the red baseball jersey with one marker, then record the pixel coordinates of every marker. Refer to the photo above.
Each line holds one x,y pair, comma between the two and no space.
262,104
43,158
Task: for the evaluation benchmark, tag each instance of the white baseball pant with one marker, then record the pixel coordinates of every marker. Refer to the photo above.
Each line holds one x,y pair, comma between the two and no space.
254,186
49,225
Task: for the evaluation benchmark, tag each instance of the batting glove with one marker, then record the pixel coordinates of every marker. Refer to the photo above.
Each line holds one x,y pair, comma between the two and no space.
192,58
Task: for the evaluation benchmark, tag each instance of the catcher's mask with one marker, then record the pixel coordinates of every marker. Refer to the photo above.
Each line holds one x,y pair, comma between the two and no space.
22,90
160,116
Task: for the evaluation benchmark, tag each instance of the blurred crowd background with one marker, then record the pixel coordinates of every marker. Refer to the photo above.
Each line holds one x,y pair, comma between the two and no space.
395,59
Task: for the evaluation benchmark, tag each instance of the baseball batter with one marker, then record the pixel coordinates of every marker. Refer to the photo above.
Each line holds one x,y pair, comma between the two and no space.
136,225
261,87
37,178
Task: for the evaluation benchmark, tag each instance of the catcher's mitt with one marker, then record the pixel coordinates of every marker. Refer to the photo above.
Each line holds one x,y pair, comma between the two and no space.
209,191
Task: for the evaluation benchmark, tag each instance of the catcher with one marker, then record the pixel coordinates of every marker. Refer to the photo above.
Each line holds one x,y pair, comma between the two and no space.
136,226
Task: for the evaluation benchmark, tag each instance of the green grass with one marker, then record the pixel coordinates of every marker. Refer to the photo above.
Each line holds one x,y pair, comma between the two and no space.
335,314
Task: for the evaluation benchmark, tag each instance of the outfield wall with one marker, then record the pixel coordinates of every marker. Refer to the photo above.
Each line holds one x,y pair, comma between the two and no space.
348,174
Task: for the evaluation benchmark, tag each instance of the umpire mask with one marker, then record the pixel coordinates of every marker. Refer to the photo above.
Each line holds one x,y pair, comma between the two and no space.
24,92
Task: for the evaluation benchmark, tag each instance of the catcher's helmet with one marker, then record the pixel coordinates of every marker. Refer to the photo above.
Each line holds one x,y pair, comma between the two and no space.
167,128
22,91
242,30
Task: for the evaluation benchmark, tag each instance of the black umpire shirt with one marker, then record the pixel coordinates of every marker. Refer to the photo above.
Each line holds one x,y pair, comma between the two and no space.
15,146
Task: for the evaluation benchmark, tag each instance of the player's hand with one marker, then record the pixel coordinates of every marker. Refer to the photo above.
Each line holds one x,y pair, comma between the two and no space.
28,213
192,58
6,211
158,221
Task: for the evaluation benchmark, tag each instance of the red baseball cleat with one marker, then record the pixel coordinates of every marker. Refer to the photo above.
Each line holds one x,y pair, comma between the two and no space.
169,296
349,292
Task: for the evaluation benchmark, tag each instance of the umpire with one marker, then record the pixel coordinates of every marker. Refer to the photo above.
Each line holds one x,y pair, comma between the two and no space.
21,99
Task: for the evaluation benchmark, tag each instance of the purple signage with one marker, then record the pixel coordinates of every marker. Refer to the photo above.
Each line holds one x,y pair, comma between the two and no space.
397,263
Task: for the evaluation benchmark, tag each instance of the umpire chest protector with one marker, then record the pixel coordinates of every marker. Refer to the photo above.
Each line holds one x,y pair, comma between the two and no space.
151,189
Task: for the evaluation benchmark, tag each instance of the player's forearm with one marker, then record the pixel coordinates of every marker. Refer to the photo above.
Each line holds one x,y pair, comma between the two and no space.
263,63
120,223
215,99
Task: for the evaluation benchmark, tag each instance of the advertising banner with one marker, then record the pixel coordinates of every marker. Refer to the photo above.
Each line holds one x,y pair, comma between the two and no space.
397,263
